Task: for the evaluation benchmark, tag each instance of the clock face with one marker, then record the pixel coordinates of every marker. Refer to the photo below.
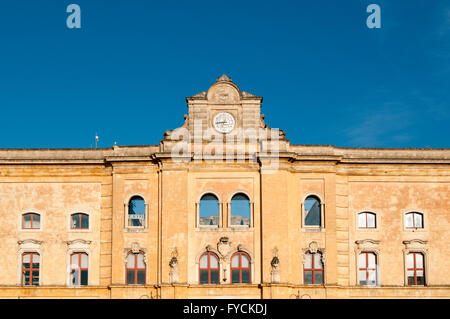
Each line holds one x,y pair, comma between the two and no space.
224,122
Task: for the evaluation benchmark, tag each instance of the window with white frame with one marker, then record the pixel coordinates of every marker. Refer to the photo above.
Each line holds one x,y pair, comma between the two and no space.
367,220
313,269
240,268
413,220
30,268
209,210
240,210
312,212
415,269
136,212
79,221
136,268
31,221
367,268
209,269
79,269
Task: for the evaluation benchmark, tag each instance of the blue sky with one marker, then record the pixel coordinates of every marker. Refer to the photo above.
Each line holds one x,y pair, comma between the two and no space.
325,77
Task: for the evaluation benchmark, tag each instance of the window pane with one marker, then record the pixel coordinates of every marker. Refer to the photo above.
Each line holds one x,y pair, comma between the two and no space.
372,260
74,274
75,221
362,220
372,278
26,260
308,261
419,260
36,221
84,221
362,260
318,261
318,277
235,261
371,220
35,280
130,277
204,277
244,261
245,276
312,211
209,210
240,210
130,261
26,278
213,262
214,276
84,261
204,261
420,280
141,277
362,277
235,276
410,261
411,280
36,261
27,221
308,277
140,261
418,220
84,278
409,220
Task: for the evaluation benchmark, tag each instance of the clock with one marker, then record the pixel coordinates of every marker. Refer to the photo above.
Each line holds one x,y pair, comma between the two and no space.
224,122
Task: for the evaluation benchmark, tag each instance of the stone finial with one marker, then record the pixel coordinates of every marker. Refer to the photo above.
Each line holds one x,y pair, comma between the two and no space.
224,78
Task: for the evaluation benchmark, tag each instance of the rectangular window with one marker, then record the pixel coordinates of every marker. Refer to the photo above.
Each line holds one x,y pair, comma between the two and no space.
30,269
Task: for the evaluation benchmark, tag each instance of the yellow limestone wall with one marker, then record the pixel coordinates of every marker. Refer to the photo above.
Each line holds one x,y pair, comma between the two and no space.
172,191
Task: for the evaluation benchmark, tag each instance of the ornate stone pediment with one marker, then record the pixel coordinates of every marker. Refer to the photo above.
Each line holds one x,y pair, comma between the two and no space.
415,244
367,244
29,244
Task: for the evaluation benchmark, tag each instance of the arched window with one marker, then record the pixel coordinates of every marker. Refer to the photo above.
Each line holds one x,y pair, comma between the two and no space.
31,221
414,220
367,220
313,269
136,212
367,269
30,269
240,210
209,210
415,269
136,268
240,268
79,221
209,268
79,268
313,213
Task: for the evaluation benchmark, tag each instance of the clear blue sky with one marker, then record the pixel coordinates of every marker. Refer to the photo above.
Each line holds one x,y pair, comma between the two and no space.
325,77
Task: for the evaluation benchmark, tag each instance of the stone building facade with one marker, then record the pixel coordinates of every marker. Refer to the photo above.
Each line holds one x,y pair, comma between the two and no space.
160,221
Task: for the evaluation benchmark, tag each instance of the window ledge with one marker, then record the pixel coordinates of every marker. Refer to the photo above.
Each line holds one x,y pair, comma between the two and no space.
313,230
227,229
80,231
135,230
414,229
